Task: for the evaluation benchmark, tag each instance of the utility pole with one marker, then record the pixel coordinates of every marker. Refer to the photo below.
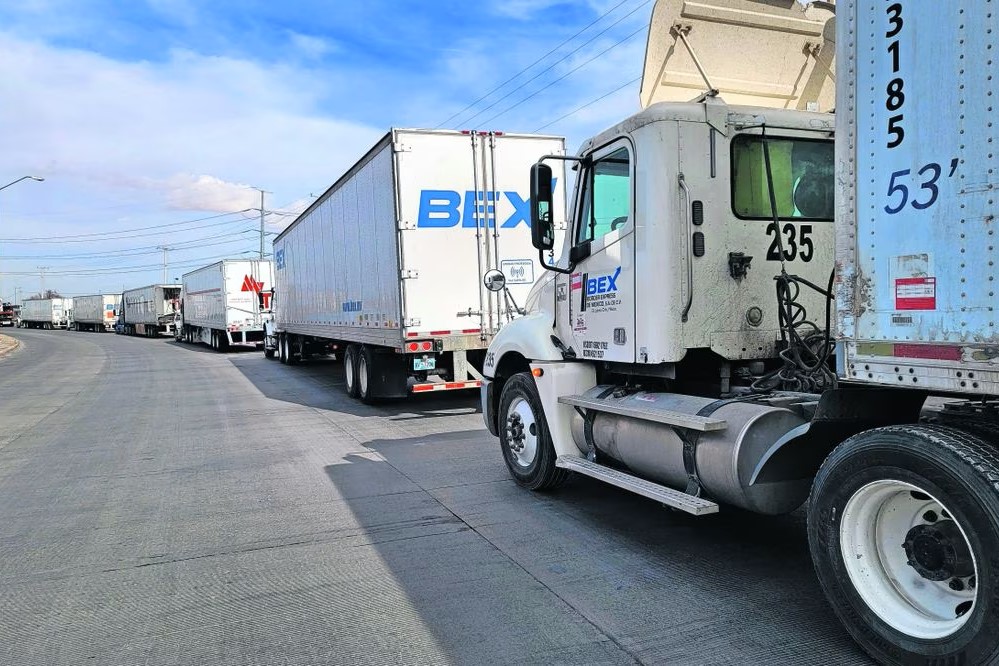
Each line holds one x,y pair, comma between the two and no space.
262,233
41,277
166,256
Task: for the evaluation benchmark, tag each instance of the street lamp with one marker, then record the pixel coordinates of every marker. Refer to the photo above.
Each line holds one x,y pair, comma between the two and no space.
15,182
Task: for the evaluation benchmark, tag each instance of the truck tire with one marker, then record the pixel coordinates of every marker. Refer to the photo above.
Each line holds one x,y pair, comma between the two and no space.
283,348
524,436
367,370
350,358
903,528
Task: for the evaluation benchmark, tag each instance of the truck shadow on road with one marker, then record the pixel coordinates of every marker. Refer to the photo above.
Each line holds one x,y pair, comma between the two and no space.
319,384
466,546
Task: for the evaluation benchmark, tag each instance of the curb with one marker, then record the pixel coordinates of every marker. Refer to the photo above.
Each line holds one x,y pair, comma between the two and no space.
8,345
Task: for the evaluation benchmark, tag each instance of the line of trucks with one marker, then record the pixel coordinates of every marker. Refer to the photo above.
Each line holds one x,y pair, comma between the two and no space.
734,297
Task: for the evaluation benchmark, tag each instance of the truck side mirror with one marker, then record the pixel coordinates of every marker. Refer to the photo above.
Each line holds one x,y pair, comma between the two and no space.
542,225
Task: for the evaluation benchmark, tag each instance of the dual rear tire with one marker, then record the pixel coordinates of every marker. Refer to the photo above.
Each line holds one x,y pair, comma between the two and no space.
358,370
903,527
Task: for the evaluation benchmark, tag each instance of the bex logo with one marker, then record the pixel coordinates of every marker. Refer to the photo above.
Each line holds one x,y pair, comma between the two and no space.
443,208
603,284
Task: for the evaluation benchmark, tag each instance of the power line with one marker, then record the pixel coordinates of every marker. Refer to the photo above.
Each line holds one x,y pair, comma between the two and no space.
564,76
590,103
123,269
563,59
140,250
588,26
60,239
69,237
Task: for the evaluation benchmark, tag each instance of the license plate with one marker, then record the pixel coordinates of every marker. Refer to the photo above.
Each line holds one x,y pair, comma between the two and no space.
425,363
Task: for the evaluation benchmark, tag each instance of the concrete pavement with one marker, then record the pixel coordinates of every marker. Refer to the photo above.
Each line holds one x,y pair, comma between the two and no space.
163,504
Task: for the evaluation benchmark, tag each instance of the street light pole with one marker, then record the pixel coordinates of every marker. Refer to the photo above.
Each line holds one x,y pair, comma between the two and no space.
15,182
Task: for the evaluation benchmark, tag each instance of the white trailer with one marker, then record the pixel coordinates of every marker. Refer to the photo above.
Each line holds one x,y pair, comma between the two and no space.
658,356
46,313
225,304
411,261
98,312
150,311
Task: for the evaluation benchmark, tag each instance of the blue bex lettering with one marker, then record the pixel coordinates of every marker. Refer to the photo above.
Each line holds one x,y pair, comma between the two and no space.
353,306
603,284
443,208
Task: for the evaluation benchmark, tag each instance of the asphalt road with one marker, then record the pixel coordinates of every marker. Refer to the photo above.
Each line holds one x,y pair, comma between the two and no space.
163,504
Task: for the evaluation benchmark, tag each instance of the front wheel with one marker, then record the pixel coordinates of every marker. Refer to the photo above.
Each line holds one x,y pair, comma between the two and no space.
524,436
903,527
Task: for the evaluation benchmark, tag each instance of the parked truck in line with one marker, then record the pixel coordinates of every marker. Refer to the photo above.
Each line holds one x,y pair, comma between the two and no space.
9,314
150,311
46,313
225,304
97,313
399,266
765,325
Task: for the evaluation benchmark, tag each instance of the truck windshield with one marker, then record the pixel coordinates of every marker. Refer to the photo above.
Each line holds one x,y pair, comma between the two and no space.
802,172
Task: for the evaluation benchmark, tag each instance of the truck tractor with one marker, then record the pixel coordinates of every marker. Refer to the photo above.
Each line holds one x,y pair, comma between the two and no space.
759,305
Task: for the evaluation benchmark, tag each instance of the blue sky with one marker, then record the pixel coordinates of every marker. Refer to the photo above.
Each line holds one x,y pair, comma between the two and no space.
156,112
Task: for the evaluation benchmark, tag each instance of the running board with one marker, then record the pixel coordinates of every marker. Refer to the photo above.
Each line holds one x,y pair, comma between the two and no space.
666,416
697,506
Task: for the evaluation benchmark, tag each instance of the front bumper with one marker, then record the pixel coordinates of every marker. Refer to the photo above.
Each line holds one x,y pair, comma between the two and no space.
486,395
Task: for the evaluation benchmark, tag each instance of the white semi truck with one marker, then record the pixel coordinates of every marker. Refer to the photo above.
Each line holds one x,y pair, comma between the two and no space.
387,266
746,315
150,311
225,304
98,312
47,313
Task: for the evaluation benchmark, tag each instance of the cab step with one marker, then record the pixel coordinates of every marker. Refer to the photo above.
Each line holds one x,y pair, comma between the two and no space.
650,413
675,499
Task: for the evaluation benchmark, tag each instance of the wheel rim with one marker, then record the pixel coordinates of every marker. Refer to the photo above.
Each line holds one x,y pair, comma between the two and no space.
521,432
348,370
362,375
909,559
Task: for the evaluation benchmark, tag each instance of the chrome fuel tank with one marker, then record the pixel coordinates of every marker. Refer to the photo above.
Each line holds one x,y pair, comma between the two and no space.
725,459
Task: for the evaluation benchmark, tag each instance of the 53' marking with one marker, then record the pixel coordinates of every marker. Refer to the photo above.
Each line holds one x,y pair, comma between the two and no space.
929,175
797,242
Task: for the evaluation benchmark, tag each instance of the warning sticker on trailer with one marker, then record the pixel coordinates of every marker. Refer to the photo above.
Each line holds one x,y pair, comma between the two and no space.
916,293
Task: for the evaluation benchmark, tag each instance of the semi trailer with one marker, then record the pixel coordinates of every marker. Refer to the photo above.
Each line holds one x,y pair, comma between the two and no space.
47,313
761,306
224,305
150,311
97,313
409,264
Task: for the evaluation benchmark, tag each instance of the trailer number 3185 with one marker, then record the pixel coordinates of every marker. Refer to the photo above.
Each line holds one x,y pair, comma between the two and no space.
797,242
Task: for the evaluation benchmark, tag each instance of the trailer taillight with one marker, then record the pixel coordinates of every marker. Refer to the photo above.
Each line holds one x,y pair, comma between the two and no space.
427,346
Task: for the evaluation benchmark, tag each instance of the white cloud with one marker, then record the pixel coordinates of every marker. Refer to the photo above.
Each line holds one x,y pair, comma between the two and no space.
309,46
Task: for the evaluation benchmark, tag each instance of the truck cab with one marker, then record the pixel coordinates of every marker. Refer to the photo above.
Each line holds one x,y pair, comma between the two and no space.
739,316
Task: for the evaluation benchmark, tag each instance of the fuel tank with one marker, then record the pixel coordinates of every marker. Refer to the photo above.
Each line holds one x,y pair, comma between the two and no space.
725,459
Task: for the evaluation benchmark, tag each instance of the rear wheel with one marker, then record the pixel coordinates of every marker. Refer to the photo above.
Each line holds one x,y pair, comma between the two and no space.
524,436
366,372
350,358
903,526
283,348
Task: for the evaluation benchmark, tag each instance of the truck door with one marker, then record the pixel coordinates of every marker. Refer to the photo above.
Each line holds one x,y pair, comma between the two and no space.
599,306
